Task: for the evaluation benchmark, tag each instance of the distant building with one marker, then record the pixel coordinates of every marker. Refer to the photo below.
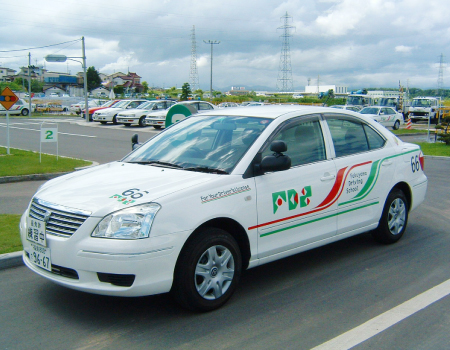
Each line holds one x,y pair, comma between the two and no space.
131,82
6,73
338,90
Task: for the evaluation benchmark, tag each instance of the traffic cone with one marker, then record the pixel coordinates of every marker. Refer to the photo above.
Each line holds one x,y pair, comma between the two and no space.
408,124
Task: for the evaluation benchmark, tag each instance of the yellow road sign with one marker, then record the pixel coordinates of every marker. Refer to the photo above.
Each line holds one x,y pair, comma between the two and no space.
8,98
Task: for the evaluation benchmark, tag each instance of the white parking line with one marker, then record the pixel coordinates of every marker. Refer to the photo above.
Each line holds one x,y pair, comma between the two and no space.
38,130
381,322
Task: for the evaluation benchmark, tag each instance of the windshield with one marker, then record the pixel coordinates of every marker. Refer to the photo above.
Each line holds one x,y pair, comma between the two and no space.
212,144
108,104
146,105
357,100
369,110
121,104
421,103
388,101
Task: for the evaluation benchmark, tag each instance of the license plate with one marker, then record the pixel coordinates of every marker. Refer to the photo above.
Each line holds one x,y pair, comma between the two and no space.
36,231
40,256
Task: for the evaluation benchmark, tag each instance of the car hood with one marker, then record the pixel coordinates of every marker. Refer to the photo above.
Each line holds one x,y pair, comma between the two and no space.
106,188
134,111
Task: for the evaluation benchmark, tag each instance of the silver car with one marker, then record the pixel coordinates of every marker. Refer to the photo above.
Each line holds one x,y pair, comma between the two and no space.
137,115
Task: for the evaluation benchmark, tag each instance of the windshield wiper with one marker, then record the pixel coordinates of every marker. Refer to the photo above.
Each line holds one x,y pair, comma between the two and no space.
205,169
158,163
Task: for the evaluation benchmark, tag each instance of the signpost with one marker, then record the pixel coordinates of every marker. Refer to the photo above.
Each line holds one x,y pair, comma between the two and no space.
48,135
7,100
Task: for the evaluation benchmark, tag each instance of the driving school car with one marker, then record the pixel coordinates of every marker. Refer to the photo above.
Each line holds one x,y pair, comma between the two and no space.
220,192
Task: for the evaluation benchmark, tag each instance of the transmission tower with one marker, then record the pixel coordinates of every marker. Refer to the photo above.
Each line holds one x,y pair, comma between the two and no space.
440,82
193,76
285,82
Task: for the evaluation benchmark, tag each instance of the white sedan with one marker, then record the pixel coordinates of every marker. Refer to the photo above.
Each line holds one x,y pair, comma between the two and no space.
110,114
386,116
218,193
137,115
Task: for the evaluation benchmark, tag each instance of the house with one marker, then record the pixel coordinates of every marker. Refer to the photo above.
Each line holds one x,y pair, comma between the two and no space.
100,92
131,82
6,73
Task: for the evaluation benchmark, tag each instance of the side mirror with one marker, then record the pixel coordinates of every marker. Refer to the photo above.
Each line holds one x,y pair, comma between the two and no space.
134,142
277,161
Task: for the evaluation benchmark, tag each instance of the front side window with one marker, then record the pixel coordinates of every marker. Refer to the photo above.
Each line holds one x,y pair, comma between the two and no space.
202,143
351,136
304,141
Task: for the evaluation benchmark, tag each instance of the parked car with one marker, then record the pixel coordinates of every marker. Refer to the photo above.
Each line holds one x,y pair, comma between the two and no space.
227,104
350,108
110,114
92,110
386,116
138,115
297,96
51,107
77,107
158,119
21,107
218,193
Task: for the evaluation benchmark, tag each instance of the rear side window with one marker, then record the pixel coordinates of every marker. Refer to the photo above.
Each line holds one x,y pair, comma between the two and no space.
351,136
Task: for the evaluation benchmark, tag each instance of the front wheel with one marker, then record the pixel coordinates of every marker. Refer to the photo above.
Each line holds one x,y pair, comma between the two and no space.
393,221
396,125
114,120
207,271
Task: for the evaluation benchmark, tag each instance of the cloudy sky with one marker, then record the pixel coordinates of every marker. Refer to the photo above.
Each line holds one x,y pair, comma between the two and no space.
353,43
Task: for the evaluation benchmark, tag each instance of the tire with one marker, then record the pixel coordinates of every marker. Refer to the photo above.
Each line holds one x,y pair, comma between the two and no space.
142,121
127,124
207,271
396,125
394,219
103,122
157,127
25,112
114,120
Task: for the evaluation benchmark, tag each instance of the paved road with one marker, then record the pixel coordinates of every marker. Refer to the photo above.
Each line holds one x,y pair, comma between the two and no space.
295,303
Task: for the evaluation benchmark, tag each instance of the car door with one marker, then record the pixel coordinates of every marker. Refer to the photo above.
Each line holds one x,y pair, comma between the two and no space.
363,162
387,117
297,207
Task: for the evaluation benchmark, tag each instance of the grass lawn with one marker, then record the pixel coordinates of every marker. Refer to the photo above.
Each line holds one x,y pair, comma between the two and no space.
9,233
20,162
434,149
410,131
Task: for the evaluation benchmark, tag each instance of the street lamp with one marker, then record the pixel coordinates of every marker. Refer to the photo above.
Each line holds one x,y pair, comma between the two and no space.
211,42
63,58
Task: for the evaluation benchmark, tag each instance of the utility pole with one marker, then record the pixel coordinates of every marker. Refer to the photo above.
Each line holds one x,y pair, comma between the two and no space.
193,76
211,42
440,82
29,83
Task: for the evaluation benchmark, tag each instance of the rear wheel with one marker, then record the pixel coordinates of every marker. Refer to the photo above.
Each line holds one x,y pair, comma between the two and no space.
207,271
393,221
103,122
114,120
396,125
25,111
127,124
157,127
142,121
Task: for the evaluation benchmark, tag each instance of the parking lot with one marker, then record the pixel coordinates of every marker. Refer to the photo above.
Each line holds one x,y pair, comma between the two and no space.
296,303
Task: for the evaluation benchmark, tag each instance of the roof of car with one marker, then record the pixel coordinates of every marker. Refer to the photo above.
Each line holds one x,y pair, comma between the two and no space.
274,111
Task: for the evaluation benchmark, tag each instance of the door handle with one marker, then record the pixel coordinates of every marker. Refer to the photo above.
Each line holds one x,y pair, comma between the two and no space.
327,177
387,162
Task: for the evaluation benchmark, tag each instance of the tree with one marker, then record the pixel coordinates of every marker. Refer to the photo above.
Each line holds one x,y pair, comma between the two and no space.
144,87
185,91
118,90
93,79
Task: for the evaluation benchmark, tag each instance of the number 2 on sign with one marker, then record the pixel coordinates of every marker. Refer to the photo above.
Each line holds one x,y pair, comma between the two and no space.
49,134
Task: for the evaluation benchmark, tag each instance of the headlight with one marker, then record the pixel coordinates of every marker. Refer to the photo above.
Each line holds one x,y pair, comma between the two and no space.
130,223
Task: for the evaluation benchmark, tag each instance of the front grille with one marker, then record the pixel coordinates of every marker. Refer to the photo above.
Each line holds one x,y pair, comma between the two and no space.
116,279
60,221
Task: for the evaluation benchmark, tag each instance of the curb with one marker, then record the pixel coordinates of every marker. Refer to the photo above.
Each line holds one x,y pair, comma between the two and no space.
38,177
11,260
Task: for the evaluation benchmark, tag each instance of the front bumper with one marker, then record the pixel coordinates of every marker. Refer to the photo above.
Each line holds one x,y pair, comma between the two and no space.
109,266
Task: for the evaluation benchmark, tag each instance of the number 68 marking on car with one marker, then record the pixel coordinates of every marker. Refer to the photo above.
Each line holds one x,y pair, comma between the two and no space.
417,163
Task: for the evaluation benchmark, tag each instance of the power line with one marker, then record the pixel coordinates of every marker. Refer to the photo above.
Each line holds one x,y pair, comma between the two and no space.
41,47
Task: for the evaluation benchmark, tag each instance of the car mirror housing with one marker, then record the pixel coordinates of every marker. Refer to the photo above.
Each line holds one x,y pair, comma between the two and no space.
277,161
